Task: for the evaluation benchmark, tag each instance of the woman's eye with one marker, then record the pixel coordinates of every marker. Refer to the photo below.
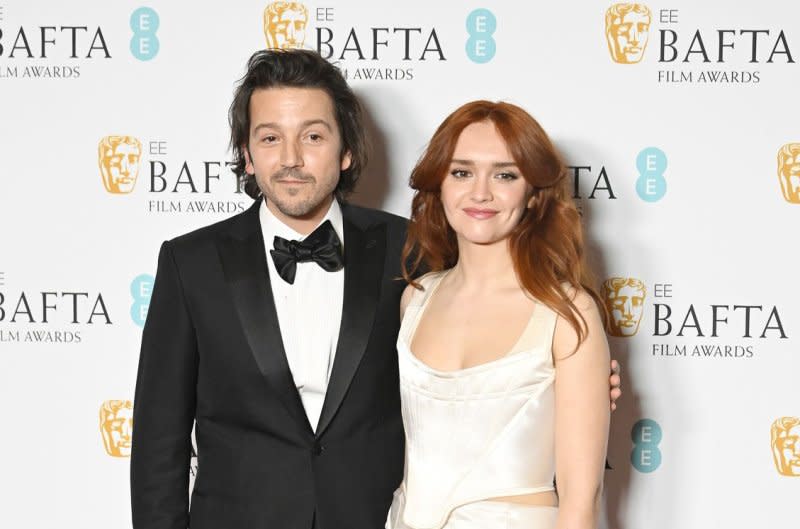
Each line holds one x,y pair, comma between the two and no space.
507,176
459,173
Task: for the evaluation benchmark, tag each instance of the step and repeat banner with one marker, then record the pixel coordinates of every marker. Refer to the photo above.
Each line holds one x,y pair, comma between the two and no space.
679,121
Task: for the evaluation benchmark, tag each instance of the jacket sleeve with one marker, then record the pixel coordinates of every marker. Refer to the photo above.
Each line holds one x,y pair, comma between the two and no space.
164,405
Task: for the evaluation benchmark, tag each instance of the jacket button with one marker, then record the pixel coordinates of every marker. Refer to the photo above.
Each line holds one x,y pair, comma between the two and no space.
317,449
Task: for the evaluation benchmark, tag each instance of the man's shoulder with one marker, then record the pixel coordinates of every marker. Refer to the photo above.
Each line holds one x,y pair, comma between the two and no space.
367,217
207,234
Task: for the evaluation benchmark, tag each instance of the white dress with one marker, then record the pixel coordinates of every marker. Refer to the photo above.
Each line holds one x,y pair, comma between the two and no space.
476,433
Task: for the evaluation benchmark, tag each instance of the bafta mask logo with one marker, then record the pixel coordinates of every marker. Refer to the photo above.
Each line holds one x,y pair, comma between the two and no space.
785,441
285,25
116,426
789,172
627,32
118,157
624,297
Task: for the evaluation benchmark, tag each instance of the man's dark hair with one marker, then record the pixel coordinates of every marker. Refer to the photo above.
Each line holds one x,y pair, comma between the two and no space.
297,68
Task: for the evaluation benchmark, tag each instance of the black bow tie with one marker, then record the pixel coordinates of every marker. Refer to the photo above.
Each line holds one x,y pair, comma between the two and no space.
321,246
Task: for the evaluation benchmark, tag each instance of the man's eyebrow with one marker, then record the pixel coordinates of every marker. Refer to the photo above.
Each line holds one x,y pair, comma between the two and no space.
305,124
495,164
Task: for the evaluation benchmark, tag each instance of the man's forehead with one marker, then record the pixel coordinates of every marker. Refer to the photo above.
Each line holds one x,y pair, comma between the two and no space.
290,104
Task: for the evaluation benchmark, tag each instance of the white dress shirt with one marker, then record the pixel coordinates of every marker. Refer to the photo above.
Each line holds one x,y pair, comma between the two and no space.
309,312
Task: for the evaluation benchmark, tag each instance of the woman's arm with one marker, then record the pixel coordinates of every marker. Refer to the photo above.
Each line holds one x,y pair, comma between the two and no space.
582,417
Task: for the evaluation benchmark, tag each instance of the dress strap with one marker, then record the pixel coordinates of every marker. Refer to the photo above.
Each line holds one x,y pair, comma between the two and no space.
419,299
540,330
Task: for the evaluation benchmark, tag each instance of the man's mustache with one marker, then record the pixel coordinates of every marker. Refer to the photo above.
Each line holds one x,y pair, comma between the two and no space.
292,173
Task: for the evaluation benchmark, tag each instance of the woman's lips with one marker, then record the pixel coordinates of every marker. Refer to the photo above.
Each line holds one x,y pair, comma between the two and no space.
480,214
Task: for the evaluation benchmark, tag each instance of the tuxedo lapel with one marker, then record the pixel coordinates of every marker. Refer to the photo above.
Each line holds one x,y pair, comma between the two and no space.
364,254
244,262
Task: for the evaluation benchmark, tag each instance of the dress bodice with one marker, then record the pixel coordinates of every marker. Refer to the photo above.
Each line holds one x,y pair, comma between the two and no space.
480,432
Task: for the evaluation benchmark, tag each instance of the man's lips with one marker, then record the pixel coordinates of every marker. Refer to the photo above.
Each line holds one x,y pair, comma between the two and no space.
293,182
480,213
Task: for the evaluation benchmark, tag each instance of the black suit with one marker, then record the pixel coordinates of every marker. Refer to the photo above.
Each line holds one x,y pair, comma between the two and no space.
212,352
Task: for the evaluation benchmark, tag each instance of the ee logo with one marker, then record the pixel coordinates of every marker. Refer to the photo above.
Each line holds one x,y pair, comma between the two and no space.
651,164
481,25
646,435
141,290
144,43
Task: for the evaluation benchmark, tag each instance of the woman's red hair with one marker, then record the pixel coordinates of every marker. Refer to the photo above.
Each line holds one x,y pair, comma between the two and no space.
546,246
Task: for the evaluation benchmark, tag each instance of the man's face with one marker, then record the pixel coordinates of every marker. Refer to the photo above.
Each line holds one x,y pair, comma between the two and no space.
295,151
286,28
120,166
787,447
625,305
117,432
627,36
790,176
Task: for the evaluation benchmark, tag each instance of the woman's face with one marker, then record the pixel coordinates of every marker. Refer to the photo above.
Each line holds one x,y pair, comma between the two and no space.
483,194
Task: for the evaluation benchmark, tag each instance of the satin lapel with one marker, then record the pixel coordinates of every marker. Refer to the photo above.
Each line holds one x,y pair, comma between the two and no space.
364,253
245,266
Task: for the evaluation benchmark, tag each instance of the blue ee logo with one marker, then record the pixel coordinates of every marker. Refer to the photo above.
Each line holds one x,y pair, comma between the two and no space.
141,290
481,25
651,164
144,43
646,435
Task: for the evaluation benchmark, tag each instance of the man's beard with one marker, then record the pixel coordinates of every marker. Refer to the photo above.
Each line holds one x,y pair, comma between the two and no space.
296,208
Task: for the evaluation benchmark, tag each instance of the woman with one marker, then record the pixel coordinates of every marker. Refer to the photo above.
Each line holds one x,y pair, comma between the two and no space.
503,357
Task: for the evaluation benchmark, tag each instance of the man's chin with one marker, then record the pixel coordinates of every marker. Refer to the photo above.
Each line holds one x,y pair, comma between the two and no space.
299,207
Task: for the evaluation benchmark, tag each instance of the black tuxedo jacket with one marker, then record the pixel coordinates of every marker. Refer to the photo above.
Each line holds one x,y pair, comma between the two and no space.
212,353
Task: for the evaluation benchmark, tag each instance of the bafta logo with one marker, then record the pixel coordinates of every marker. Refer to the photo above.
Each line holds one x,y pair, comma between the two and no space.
785,442
118,157
627,31
624,297
285,25
116,426
789,172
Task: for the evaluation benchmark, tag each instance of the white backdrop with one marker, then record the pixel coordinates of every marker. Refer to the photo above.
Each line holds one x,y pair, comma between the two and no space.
76,260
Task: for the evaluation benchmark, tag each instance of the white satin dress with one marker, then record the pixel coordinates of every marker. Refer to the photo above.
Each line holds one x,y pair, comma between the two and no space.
476,433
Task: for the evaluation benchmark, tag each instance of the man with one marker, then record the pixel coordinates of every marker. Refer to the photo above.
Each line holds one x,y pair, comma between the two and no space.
281,349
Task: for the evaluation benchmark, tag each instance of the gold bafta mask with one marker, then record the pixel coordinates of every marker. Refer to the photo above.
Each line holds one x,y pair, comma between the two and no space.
118,157
627,31
624,297
785,441
285,25
789,172
116,426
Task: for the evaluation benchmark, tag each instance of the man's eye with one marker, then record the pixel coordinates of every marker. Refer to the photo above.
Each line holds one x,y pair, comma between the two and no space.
269,139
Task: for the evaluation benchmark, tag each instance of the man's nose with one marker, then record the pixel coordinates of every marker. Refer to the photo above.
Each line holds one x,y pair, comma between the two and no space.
291,155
